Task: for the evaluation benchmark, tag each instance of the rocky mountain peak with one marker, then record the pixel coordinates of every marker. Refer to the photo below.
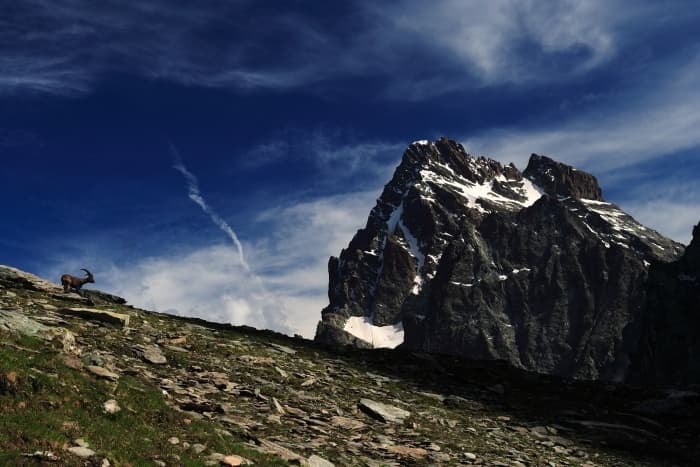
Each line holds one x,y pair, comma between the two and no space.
558,179
464,255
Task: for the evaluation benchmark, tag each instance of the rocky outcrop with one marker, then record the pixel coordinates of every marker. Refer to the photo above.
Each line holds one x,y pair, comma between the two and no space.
670,346
471,257
558,179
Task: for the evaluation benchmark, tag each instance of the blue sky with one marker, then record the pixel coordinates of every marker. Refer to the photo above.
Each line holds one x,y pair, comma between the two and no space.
290,116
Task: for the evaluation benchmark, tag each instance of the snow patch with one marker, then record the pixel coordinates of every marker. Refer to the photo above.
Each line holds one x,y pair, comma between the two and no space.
473,192
595,201
531,192
414,250
381,337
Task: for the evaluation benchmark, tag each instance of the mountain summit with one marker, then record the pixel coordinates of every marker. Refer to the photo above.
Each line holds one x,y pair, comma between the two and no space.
463,255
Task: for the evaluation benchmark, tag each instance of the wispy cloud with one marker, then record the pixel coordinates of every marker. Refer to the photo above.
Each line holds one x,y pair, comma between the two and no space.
66,46
615,137
623,131
505,40
333,153
671,205
290,258
196,196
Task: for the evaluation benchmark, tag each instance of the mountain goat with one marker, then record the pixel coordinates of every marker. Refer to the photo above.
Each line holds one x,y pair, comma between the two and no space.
75,283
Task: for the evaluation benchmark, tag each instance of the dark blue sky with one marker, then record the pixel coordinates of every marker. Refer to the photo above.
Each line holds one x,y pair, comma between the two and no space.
292,116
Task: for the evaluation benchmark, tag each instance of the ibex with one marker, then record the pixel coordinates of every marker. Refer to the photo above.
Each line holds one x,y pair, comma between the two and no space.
75,283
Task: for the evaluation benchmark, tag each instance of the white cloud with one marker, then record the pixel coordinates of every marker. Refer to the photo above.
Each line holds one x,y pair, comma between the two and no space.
208,282
612,139
625,130
672,218
287,291
670,206
422,49
333,153
488,37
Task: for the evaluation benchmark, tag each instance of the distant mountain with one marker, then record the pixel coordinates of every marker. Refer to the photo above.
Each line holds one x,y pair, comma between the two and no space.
463,255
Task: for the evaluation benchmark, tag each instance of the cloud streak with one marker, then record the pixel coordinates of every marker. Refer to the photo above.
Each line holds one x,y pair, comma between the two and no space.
196,196
291,256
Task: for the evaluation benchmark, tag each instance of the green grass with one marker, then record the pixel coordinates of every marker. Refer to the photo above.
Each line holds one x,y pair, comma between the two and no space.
50,405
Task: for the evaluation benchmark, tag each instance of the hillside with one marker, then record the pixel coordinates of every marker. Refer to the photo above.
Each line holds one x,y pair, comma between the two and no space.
191,393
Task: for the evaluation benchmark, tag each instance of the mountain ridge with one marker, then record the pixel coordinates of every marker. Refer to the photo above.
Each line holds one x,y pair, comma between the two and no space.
472,257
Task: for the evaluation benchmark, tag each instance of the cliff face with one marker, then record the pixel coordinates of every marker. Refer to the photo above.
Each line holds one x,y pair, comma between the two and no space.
670,345
466,256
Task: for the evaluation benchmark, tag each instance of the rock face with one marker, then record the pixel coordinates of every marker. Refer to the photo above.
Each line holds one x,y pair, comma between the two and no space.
467,256
670,345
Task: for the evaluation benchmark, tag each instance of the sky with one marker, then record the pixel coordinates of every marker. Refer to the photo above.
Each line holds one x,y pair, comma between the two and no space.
206,158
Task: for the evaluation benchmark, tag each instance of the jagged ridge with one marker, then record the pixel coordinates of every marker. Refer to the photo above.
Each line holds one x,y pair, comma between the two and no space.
467,256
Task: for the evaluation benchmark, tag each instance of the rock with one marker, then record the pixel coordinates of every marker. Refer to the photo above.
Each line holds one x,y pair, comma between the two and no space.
198,448
68,343
497,389
669,353
81,442
19,322
407,451
174,440
559,179
383,412
81,451
255,360
469,456
151,354
182,340
274,448
282,348
348,423
232,460
103,316
277,406
464,256
98,296
202,406
111,406
102,372
308,382
14,278
8,382
316,461
42,455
